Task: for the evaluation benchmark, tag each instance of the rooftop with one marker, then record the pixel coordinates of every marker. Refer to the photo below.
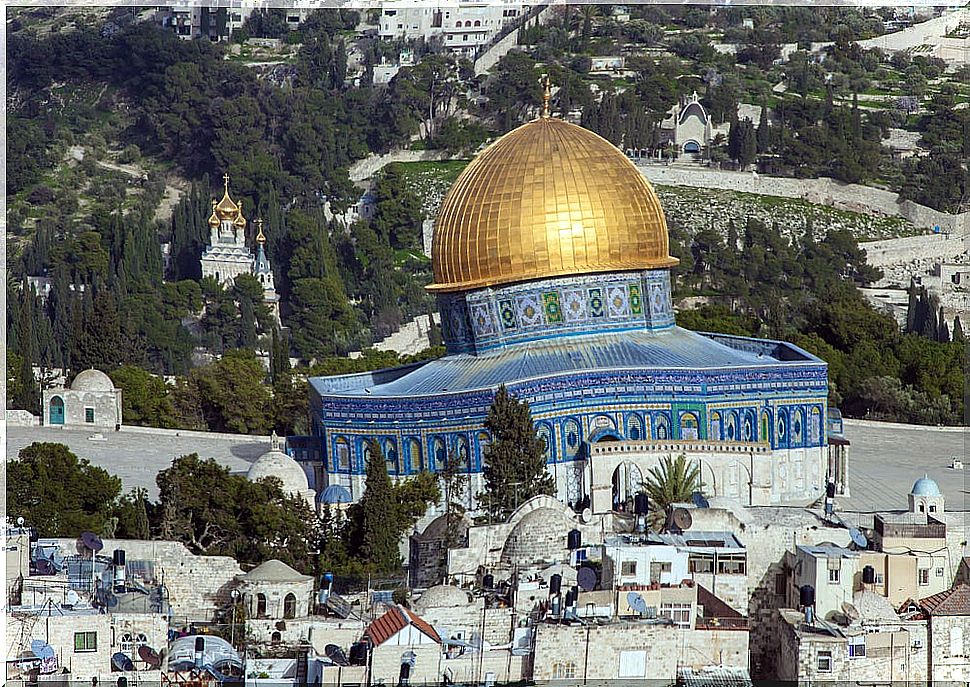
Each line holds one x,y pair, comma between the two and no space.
692,539
954,601
828,551
671,349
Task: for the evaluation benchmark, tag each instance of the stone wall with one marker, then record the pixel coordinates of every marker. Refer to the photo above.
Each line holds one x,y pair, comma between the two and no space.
489,58
197,585
823,191
366,168
21,418
632,650
949,644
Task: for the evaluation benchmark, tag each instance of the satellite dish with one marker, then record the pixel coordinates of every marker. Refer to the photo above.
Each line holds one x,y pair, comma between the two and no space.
586,516
149,656
850,611
681,519
110,600
92,541
45,567
72,598
636,602
586,579
858,538
336,654
41,649
699,500
122,662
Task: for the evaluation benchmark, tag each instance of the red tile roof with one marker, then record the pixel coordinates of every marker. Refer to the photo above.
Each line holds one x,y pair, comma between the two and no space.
395,620
954,601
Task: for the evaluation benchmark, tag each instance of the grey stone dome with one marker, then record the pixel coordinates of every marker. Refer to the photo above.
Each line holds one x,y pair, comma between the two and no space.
539,536
279,465
92,380
441,596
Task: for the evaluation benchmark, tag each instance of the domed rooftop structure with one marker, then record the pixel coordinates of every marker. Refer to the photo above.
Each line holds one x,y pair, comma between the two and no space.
275,463
227,208
924,486
274,571
335,495
92,380
539,536
441,596
547,199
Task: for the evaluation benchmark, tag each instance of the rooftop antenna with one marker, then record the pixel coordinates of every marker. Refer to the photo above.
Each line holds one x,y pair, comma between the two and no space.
546,95
92,542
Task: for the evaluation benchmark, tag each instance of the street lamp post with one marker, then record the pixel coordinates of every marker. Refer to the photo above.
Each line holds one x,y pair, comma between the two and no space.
234,595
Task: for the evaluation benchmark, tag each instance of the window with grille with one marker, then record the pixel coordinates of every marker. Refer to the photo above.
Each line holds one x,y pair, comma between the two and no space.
89,414
824,662
857,647
731,564
701,563
833,575
628,568
565,670
924,575
85,641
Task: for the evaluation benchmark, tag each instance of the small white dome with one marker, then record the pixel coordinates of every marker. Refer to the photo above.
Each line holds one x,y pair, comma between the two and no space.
92,380
279,465
441,596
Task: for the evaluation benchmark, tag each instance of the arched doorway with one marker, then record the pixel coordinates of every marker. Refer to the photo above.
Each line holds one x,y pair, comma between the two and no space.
692,147
260,605
56,413
627,481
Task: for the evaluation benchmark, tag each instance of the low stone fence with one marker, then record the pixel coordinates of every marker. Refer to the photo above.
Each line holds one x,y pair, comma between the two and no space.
21,418
366,168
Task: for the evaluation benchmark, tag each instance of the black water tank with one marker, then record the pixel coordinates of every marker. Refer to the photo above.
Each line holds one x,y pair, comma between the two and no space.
358,654
199,644
868,575
555,583
405,673
641,504
806,595
830,490
574,539
119,557
122,681
570,599
488,581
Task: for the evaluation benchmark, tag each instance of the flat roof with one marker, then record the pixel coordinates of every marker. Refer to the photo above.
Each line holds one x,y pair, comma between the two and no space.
137,457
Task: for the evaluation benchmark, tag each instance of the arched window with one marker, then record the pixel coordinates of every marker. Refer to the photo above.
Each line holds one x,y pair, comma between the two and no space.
461,448
815,428
781,429
747,427
439,453
797,428
544,432
634,430
457,24
56,413
468,23
571,438
956,641
478,23
342,451
289,606
276,637
417,460
564,670
714,434
765,433
260,605
688,426
390,457
483,441
663,428
732,431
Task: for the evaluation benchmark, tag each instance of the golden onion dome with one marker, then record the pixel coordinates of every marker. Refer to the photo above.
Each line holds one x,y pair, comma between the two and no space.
548,199
226,208
240,221
213,220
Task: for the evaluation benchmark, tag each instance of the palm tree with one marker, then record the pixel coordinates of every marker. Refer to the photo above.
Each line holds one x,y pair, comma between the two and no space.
673,481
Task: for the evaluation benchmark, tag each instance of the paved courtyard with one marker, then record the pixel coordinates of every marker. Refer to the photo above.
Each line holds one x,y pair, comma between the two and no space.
885,460
137,457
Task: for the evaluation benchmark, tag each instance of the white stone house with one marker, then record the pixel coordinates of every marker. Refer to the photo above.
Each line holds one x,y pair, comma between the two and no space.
275,591
91,401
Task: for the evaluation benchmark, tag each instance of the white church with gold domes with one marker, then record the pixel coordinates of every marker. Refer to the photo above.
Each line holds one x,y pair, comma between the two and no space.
552,274
227,255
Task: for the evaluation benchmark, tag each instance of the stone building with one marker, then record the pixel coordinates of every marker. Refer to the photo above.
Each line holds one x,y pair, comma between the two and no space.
949,634
275,591
91,401
404,647
462,27
227,256
688,126
428,550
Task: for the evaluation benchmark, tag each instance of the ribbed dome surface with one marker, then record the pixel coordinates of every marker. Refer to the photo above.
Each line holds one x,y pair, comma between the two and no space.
92,380
539,536
547,199
441,596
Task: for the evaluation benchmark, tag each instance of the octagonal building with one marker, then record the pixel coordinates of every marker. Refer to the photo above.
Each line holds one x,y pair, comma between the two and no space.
552,275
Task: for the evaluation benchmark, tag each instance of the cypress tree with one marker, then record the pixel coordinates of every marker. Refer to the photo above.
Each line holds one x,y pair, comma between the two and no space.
911,307
958,335
764,135
378,543
515,467
943,331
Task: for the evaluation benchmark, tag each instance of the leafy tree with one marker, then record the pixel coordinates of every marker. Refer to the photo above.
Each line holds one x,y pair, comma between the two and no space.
144,397
132,517
233,394
57,493
514,462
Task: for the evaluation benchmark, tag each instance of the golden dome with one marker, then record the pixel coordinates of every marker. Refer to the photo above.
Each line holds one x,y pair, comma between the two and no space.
547,199
226,208
240,221
213,220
